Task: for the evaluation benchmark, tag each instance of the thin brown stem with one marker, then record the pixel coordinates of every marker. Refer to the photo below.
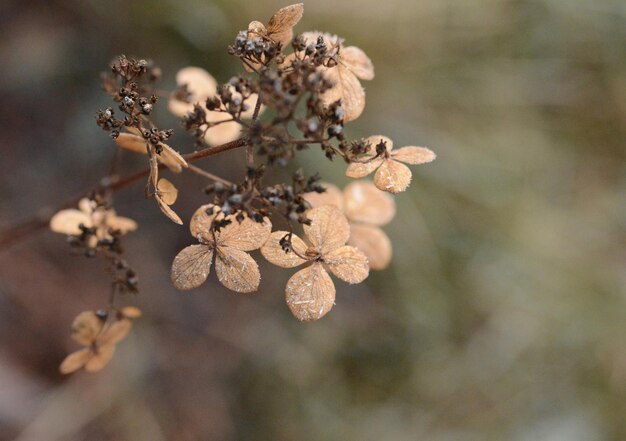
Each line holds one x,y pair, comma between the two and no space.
206,174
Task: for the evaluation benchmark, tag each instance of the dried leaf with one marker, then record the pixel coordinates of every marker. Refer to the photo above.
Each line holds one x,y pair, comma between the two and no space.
100,359
358,63
167,191
374,243
166,210
236,270
347,88
192,266
329,228
132,142
348,263
69,221
274,253
367,204
86,327
392,176
246,235
413,155
75,361
310,293
115,332
200,224
332,196
280,26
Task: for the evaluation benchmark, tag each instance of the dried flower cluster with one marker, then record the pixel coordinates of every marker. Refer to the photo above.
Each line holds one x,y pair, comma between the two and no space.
297,92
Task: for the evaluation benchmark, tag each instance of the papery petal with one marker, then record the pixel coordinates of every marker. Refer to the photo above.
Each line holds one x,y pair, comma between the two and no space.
310,293
348,263
392,176
374,243
191,266
246,235
413,155
236,270
367,204
115,332
332,196
251,103
280,26
86,327
167,191
131,142
358,63
100,359
374,140
347,88
200,83
362,169
166,210
329,228
201,222
69,221
131,312
121,224
274,253
223,132
172,159
75,361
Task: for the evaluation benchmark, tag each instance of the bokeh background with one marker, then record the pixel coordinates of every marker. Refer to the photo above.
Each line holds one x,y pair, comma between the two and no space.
502,316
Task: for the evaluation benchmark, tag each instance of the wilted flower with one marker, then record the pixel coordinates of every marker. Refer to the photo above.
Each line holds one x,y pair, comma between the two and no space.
310,293
91,329
350,64
366,208
235,269
391,175
135,142
90,215
202,86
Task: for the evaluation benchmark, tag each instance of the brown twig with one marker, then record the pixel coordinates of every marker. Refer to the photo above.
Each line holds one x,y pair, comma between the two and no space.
26,228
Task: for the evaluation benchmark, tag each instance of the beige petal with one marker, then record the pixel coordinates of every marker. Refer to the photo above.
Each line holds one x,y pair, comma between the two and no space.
329,228
256,29
362,169
75,361
236,270
180,108
115,332
131,312
310,293
374,140
374,243
251,103
223,132
167,191
348,263
191,267
69,221
247,235
86,327
347,88
172,159
166,210
367,204
200,83
134,143
100,359
273,252
201,222
87,206
413,155
332,196
280,26
121,224
392,176
358,63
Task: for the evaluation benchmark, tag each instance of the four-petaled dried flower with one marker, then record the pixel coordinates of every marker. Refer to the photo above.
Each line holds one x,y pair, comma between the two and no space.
90,215
347,66
91,329
310,293
235,268
392,175
219,127
367,208
134,141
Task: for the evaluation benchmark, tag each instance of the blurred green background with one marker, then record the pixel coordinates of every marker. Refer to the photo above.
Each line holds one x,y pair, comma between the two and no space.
502,316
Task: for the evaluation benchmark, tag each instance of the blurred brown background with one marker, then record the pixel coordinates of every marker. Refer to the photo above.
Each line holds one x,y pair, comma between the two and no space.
502,316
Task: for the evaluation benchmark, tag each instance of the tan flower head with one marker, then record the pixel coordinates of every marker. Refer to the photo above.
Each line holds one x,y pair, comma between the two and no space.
310,293
366,208
351,65
391,175
201,85
100,337
133,141
90,215
279,29
235,269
